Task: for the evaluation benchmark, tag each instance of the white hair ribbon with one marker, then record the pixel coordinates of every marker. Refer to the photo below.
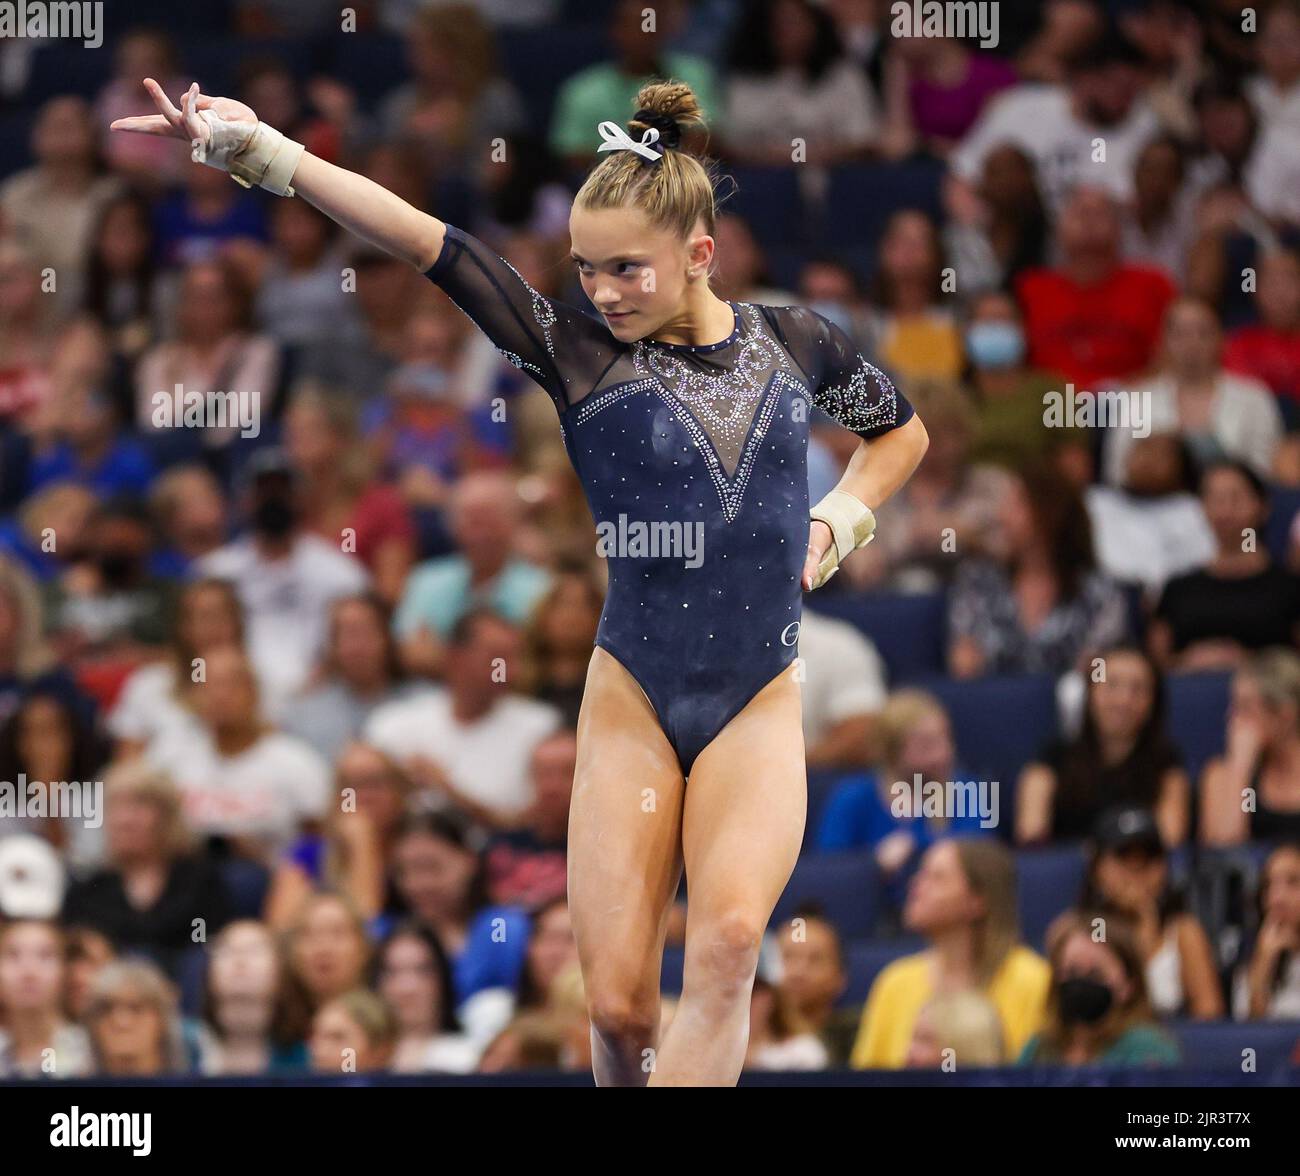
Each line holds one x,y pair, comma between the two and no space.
617,139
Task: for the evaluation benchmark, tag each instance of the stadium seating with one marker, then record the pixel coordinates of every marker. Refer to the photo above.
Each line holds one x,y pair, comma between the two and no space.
907,630
1000,724
1198,711
846,886
1048,881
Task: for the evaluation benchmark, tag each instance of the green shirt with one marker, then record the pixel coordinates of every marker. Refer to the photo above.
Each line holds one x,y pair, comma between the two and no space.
1139,1045
605,92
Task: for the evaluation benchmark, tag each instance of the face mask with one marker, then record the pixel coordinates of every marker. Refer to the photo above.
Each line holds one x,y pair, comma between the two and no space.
995,345
424,381
274,517
1084,1001
116,567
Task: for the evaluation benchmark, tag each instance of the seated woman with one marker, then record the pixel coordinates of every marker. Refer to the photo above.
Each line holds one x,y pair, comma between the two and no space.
244,1029
779,1039
1097,1010
1220,415
352,1033
351,851
875,811
1267,985
153,884
156,697
1043,606
1241,600
1261,760
326,953
963,900
948,495
413,974
1121,756
38,1039
443,883
360,671
558,637
1128,874
135,1028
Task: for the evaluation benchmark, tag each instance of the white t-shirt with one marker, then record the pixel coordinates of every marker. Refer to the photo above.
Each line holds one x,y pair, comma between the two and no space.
286,602
843,674
1040,120
839,109
1148,541
147,705
1245,422
263,793
1272,174
487,759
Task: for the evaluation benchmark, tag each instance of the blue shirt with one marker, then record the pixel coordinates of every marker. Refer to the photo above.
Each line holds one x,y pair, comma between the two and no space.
125,469
438,594
858,816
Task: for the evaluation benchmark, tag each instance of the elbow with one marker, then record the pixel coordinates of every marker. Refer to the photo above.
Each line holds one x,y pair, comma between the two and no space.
922,438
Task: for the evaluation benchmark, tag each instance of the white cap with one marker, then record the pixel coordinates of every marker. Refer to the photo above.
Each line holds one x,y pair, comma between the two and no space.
31,878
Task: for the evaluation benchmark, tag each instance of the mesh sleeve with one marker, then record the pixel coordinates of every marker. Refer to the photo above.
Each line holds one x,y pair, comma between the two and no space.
529,329
844,385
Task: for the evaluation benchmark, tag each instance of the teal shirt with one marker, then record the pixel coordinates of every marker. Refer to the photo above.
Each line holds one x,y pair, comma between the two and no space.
604,92
1141,1045
438,594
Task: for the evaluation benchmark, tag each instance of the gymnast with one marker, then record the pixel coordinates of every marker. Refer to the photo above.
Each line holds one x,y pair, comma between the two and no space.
675,407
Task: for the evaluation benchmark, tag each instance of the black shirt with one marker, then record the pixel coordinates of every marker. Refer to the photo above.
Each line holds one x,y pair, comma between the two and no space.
1255,611
165,930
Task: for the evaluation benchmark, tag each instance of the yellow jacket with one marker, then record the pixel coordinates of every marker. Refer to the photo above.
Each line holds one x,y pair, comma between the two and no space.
1018,990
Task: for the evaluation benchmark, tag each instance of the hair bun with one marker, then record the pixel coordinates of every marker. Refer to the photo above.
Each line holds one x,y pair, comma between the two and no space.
670,132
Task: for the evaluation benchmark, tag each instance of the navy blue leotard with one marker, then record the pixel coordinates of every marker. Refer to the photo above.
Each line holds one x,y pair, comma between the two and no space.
712,439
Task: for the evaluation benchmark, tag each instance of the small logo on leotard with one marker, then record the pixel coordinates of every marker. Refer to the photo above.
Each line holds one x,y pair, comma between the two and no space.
790,634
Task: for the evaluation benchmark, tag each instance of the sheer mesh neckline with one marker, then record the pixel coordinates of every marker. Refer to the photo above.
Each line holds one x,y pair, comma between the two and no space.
705,348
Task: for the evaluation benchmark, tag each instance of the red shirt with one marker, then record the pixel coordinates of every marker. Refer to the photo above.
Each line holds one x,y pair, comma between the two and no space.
1268,354
1094,334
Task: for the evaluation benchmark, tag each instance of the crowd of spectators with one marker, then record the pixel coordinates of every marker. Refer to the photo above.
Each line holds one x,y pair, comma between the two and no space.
325,653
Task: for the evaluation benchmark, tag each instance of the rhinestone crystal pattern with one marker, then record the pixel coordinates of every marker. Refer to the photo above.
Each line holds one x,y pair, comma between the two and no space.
857,404
722,402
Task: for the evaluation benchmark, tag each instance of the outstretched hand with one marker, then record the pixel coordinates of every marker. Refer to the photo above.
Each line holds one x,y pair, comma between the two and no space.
195,120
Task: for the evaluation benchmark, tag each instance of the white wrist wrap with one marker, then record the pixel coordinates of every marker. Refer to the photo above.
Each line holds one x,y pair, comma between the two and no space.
255,155
852,525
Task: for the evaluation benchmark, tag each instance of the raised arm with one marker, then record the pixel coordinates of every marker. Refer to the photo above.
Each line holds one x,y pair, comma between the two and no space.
558,346
226,134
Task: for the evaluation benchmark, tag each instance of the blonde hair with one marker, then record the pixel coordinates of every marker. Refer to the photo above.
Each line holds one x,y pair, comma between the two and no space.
674,193
146,981
1276,672
901,712
990,872
140,780
967,1023
31,654
371,1013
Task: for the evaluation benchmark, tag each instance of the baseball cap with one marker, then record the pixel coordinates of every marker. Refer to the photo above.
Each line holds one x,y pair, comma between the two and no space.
1127,827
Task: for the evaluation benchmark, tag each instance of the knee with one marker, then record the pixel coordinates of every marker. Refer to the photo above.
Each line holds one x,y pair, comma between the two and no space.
724,953
621,1018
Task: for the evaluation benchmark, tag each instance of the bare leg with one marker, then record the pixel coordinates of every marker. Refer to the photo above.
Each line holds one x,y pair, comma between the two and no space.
742,826
624,866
